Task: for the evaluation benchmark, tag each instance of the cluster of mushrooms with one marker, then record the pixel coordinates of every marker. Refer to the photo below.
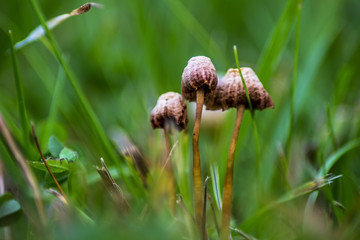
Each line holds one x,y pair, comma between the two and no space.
200,84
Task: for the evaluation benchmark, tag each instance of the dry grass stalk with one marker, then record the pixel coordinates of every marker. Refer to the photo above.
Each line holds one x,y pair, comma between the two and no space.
25,169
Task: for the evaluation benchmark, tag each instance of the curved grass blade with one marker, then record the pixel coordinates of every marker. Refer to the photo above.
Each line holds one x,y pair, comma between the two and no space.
329,163
302,190
39,32
277,42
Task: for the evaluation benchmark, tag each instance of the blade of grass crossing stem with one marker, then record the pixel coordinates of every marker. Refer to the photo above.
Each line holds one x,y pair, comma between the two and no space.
294,78
277,42
21,99
329,163
83,100
255,132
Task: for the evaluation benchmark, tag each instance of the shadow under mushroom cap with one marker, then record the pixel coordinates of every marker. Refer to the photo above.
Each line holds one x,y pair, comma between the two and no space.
230,92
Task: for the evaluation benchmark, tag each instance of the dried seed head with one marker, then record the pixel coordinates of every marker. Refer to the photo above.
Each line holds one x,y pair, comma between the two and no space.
199,73
230,92
170,107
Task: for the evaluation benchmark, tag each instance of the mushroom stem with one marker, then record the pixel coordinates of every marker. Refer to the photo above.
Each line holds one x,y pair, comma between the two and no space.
169,170
198,201
228,184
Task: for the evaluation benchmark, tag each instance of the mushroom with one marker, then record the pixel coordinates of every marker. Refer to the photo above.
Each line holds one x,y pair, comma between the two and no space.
230,93
198,79
169,111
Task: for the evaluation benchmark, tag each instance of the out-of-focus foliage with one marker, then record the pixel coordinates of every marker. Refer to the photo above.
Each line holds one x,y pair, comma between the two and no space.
129,52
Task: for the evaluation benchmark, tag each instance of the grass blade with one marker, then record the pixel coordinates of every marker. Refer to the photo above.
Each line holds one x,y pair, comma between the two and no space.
302,190
331,127
329,163
21,99
25,169
216,185
39,32
54,106
255,132
277,42
294,78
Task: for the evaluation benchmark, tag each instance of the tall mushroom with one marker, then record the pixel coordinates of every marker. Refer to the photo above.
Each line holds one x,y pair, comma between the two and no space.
230,93
170,111
198,79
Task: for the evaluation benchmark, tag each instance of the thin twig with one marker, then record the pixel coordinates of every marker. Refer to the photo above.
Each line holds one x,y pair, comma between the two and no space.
45,163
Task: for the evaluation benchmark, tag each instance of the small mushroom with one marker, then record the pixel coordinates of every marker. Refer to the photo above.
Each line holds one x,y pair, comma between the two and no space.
169,111
230,93
198,79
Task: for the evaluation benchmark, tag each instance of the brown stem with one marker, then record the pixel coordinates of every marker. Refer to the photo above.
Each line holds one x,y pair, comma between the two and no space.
168,167
198,201
44,160
228,184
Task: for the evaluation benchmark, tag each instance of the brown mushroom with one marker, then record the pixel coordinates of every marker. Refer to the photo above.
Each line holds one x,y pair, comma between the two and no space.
198,79
230,93
169,111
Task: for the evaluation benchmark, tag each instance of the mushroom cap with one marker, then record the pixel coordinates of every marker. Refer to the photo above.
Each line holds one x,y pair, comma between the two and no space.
170,107
199,73
230,92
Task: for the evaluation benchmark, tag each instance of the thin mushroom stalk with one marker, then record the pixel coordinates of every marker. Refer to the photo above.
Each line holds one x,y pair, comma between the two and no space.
198,79
169,111
230,93
198,201
228,184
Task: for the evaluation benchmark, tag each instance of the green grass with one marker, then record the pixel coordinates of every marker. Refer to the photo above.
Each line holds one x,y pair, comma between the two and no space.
104,70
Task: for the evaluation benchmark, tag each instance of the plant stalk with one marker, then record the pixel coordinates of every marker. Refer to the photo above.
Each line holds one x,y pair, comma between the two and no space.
198,201
21,98
46,165
228,184
169,170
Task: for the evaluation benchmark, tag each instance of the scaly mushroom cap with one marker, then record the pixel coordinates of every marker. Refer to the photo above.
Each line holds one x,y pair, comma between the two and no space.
230,92
171,108
199,73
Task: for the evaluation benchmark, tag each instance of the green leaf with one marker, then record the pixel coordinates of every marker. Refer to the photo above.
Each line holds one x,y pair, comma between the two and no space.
68,154
10,209
55,165
55,146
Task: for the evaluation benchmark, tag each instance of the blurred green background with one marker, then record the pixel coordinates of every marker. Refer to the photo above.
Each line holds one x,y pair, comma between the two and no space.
129,52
